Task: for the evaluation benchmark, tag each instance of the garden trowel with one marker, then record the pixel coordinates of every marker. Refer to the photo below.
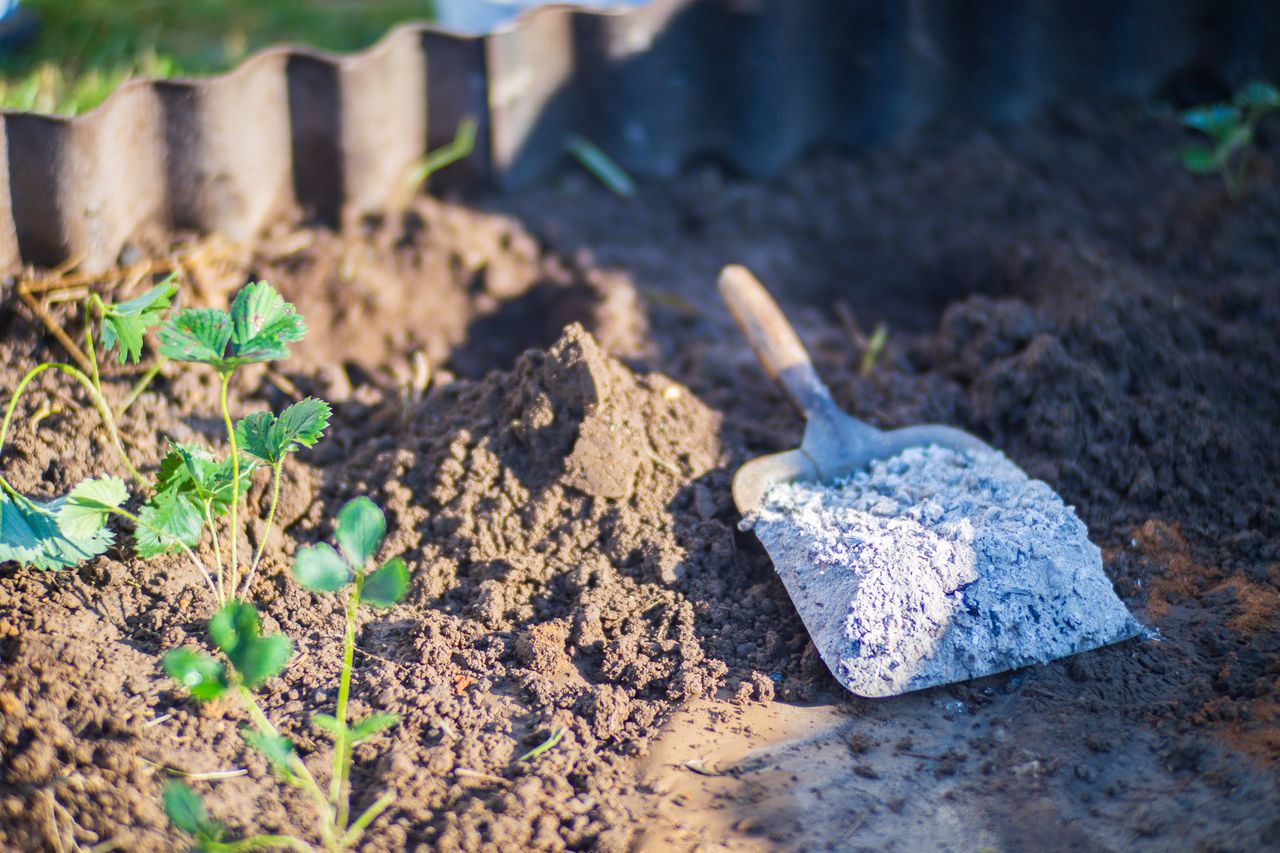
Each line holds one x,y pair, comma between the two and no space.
900,614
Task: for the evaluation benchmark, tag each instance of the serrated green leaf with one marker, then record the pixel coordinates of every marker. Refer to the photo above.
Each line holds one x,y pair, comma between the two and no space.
236,629
262,323
1199,161
204,677
372,725
386,586
166,522
1258,95
302,424
359,530
257,328
31,533
126,323
320,568
269,438
88,505
192,471
196,334
329,723
277,749
253,436
186,810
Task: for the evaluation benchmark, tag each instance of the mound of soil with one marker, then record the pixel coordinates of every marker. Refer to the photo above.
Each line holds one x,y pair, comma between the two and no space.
561,493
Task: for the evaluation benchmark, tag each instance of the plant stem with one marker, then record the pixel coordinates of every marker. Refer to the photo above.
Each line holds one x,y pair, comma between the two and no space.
303,777
339,792
234,563
99,402
89,348
369,815
271,515
141,385
217,549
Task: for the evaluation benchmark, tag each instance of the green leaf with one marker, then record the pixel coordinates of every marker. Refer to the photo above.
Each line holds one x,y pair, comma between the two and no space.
1200,161
32,532
371,725
186,810
124,324
89,504
1258,95
277,749
258,327
166,522
262,323
196,334
302,424
1216,120
330,724
237,630
192,471
253,436
269,438
204,677
319,568
386,586
359,531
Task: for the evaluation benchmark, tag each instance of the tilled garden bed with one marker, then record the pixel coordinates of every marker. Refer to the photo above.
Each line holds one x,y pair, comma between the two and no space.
560,491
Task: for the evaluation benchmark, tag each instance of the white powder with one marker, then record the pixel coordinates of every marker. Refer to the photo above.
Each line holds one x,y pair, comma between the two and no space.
937,566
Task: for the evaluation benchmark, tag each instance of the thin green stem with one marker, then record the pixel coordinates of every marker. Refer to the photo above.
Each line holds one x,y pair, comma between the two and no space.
13,493
302,776
360,824
90,350
271,515
141,385
339,791
217,549
99,402
234,563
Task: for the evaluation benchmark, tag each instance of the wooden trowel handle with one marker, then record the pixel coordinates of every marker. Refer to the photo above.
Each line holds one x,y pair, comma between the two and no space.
775,343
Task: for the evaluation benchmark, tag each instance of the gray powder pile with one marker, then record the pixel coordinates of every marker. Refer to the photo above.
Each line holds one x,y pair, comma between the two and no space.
936,566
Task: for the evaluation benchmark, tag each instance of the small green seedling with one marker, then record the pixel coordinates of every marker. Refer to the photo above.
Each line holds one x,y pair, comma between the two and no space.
359,531
71,529
251,660
1231,128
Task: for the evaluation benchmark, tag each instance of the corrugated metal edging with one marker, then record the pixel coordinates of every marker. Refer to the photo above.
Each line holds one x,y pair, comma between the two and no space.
753,82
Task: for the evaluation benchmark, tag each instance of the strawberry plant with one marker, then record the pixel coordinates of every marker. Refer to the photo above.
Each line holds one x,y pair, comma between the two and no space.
1231,128
70,529
360,529
193,487
251,659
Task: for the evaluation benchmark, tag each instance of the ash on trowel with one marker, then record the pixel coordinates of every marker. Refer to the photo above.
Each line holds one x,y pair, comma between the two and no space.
952,565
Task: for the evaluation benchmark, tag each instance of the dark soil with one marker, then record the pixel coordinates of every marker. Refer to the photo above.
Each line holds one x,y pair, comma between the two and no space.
1063,291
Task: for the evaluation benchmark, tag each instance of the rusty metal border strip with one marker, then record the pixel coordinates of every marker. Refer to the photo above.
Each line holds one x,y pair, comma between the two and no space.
755,83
